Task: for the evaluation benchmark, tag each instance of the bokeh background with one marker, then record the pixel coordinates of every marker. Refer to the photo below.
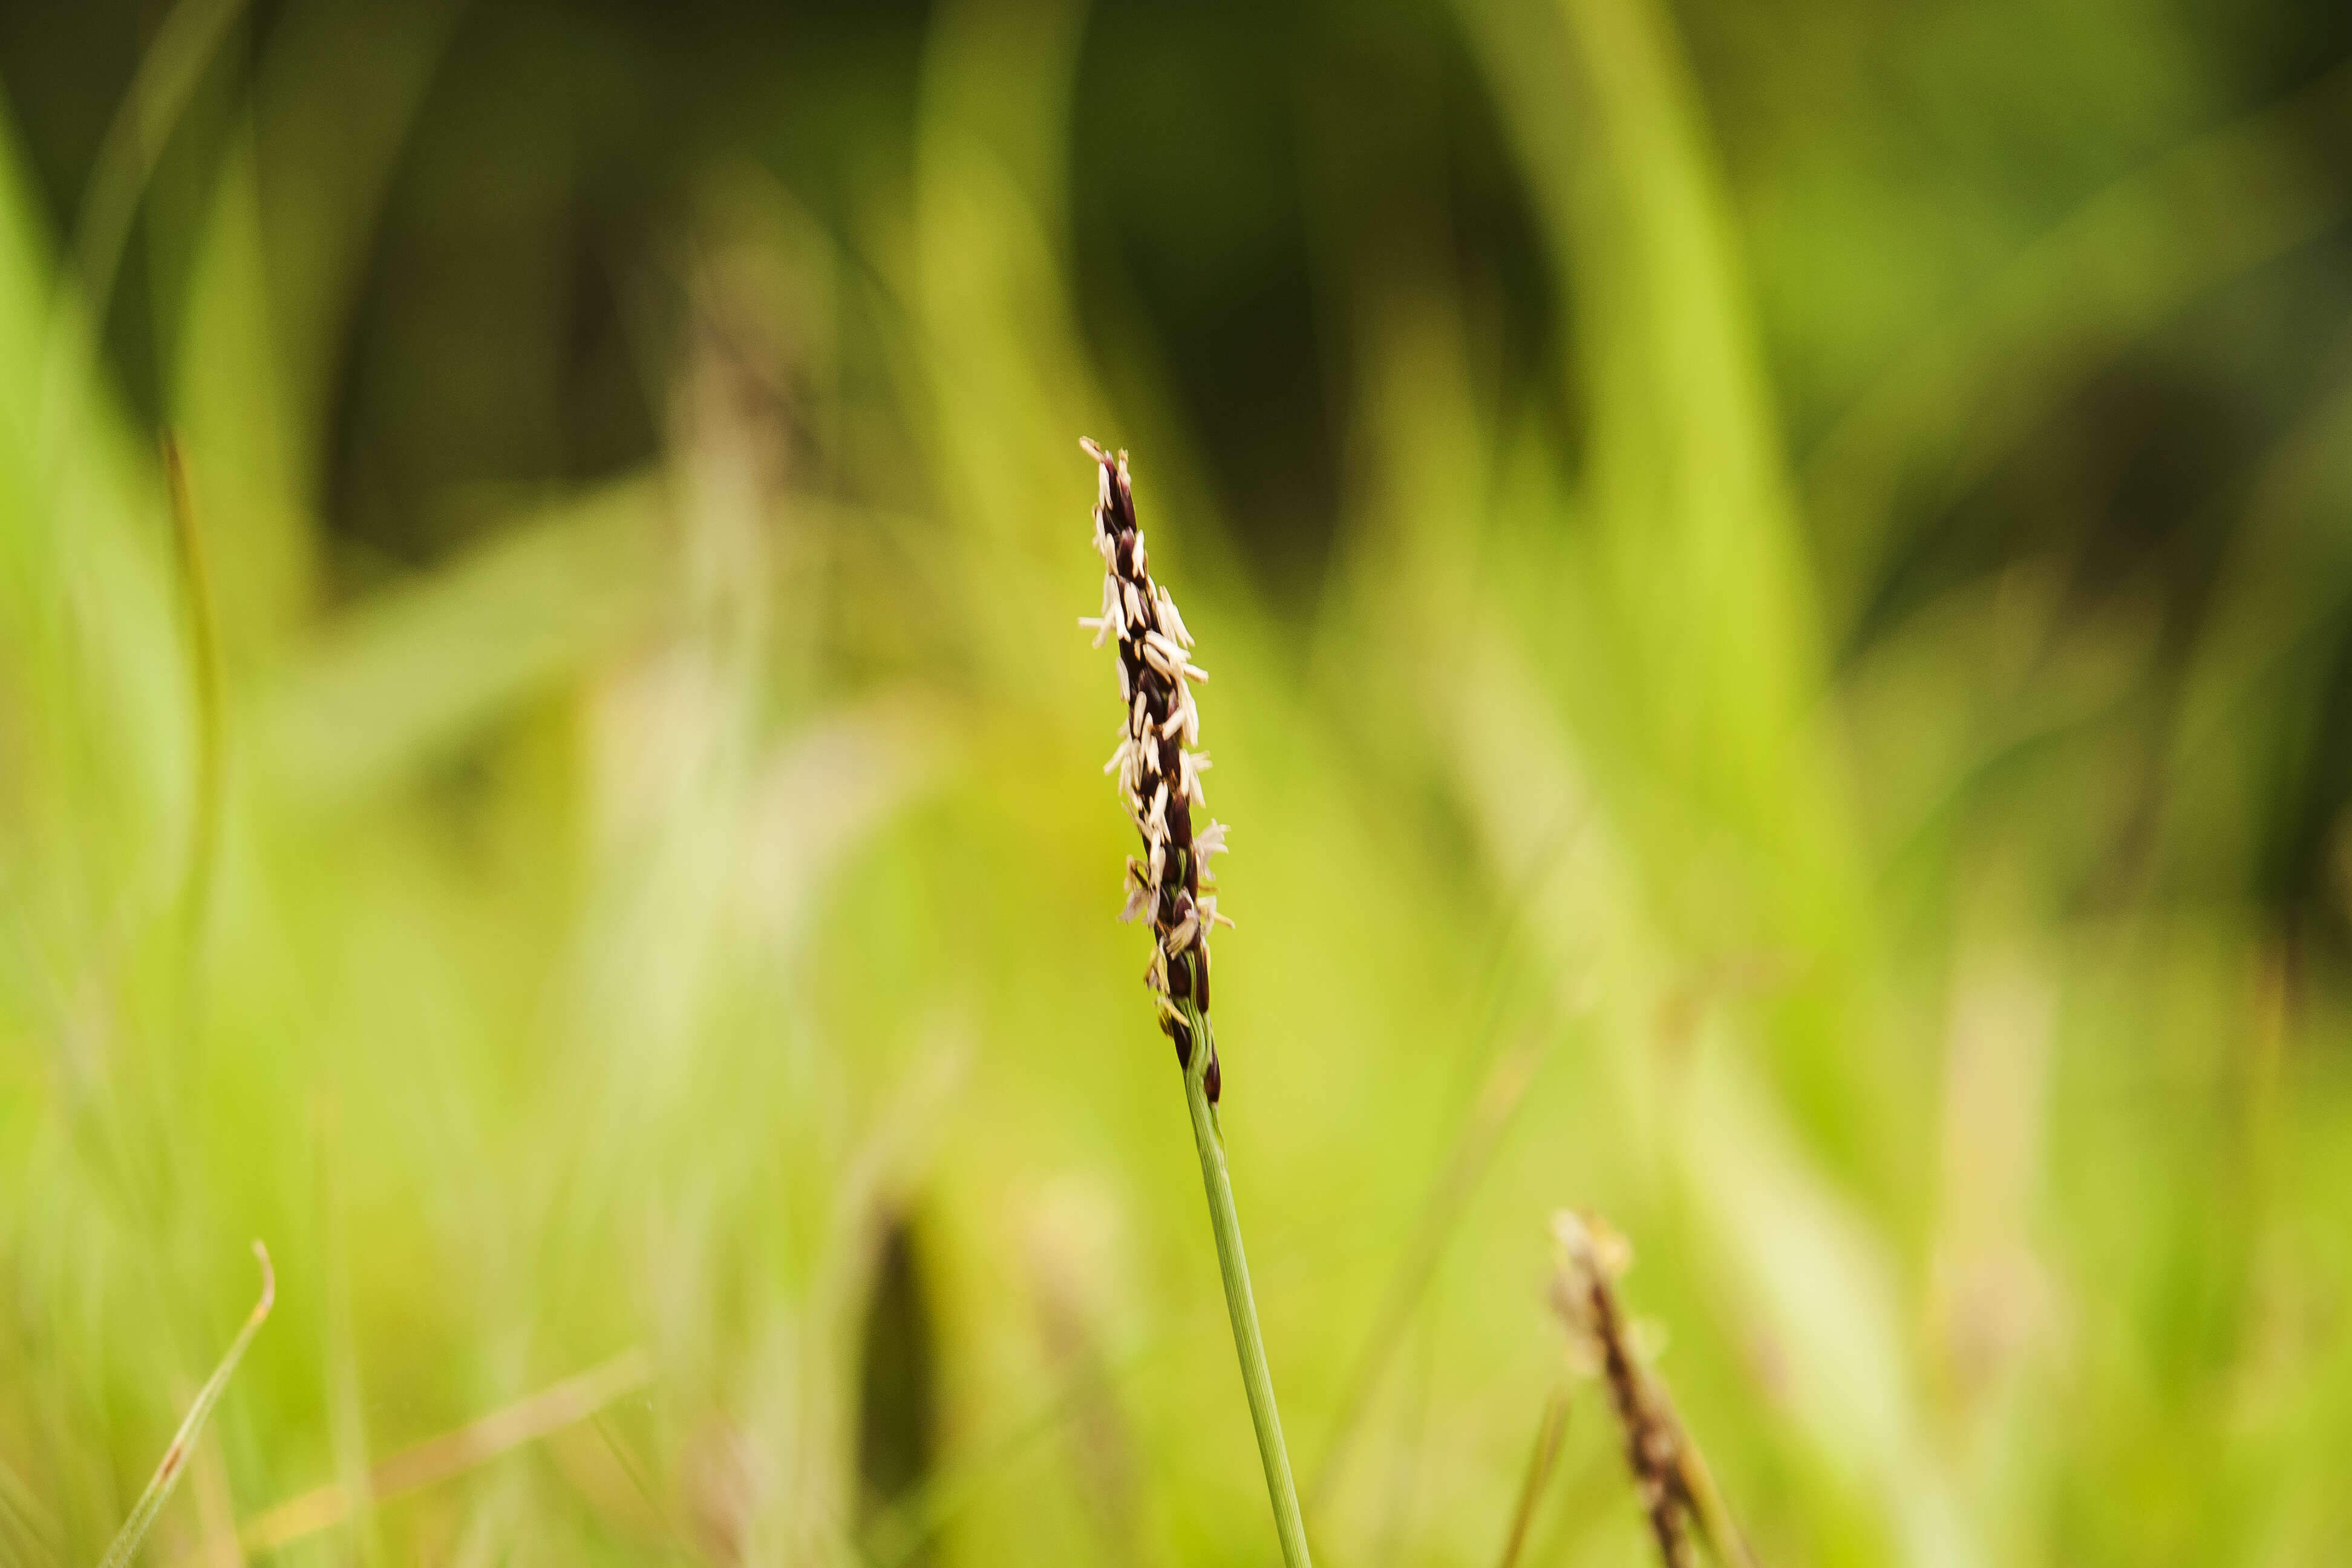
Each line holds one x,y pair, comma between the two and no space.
1778,578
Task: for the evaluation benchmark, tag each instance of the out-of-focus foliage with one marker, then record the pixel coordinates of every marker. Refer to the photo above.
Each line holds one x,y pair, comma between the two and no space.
1779,582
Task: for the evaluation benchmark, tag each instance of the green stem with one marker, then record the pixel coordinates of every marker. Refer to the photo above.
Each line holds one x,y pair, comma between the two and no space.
1248,1343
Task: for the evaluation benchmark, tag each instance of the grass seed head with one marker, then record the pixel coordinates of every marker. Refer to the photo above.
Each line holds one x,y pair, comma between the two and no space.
1600,1342
1158,770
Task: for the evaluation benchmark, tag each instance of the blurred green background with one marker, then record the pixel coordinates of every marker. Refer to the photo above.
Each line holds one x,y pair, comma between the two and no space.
1779,583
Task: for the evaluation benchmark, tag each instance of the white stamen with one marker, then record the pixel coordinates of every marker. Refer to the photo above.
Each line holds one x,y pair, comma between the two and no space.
1181,937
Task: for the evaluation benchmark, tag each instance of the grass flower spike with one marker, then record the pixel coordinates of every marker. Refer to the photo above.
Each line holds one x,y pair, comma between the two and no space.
1678,1491
1158,772
1158,767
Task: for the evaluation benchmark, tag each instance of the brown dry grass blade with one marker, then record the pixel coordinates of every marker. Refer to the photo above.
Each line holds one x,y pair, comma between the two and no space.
453,1453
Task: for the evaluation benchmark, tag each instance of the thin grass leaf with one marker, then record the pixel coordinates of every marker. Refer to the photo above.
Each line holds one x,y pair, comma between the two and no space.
184,1441
169,74
1539,1465
1506,1086
204,656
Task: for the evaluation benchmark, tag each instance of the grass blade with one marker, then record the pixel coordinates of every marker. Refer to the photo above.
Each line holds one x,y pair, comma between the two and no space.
1506,1086
204,655
184,1441
551,1410
1540,1463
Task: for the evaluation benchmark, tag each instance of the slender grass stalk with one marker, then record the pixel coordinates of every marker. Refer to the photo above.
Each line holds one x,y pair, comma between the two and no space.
184,1442
1249,1345
204,656
1505,1085
1532,1486
1158,777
